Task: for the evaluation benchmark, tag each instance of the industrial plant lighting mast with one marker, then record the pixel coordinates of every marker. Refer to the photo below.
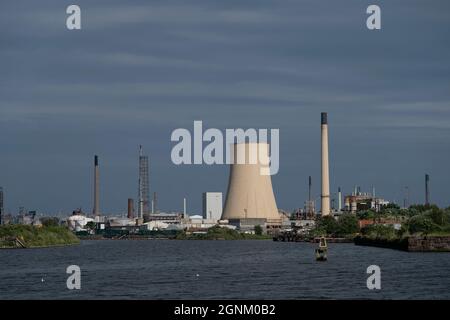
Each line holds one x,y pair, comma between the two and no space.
143,185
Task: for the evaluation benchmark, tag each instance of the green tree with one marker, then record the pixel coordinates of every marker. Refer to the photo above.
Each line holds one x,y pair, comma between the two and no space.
328,224
258,230
419,208
390,206
439,216
49,221
422,224
379,231
366,214
347,224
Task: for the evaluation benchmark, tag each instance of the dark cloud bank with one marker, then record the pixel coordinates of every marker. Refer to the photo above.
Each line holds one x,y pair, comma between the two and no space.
139,69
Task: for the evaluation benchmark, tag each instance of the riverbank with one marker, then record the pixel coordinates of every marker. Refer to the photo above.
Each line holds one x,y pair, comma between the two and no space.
25,236
411,243
213,233
289,237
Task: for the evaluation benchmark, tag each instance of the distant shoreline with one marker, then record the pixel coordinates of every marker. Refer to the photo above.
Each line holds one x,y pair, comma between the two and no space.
34,237
41,247
409,244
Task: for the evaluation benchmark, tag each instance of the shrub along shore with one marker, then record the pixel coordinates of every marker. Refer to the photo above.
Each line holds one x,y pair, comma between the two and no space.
26,236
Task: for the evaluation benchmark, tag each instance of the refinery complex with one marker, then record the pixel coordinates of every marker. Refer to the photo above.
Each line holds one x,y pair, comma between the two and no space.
248,203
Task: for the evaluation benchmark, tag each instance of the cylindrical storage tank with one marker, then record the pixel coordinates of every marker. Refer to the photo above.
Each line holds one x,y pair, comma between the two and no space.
354,206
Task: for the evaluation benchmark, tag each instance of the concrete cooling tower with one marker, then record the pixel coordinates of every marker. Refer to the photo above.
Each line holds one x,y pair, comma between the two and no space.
250,200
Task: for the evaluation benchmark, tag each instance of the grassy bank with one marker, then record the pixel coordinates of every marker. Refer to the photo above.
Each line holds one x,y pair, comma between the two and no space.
218,233
34,237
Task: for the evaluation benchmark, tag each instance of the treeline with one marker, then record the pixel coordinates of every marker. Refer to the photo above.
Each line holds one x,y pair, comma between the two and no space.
416,220
345,226
219,233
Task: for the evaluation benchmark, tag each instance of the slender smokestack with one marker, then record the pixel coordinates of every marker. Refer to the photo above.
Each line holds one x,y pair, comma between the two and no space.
130,208
184,207
309,189
325,167
96,210
427,189
339,199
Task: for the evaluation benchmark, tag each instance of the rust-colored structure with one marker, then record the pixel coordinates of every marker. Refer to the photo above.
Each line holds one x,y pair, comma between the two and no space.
130,208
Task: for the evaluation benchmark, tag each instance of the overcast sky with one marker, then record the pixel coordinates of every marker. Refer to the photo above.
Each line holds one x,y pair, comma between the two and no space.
140,69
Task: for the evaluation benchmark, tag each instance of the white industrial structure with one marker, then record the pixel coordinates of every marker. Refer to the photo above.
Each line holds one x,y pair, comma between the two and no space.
250,200
77,222
212,205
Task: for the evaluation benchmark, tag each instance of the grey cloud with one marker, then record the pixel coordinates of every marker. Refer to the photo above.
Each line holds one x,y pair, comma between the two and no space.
140,69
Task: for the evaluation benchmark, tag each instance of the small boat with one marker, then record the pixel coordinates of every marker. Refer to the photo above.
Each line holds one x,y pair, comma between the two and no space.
321,252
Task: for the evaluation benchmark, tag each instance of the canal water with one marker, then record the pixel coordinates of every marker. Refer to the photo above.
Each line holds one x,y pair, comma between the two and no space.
168,269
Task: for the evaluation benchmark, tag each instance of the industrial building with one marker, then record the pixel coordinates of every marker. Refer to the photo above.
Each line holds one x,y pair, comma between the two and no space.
169,218
250,200
78,220
212,205
360,201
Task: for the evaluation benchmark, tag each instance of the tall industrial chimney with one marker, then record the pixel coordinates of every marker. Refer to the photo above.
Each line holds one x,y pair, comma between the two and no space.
130,208
339,200
309,188
427,189
184,207
96,210
325,196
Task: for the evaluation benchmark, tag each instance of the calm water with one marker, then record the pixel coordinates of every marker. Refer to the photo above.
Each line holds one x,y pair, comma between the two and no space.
220,270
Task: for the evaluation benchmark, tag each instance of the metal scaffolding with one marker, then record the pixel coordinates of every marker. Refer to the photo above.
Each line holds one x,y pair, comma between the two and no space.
143,192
